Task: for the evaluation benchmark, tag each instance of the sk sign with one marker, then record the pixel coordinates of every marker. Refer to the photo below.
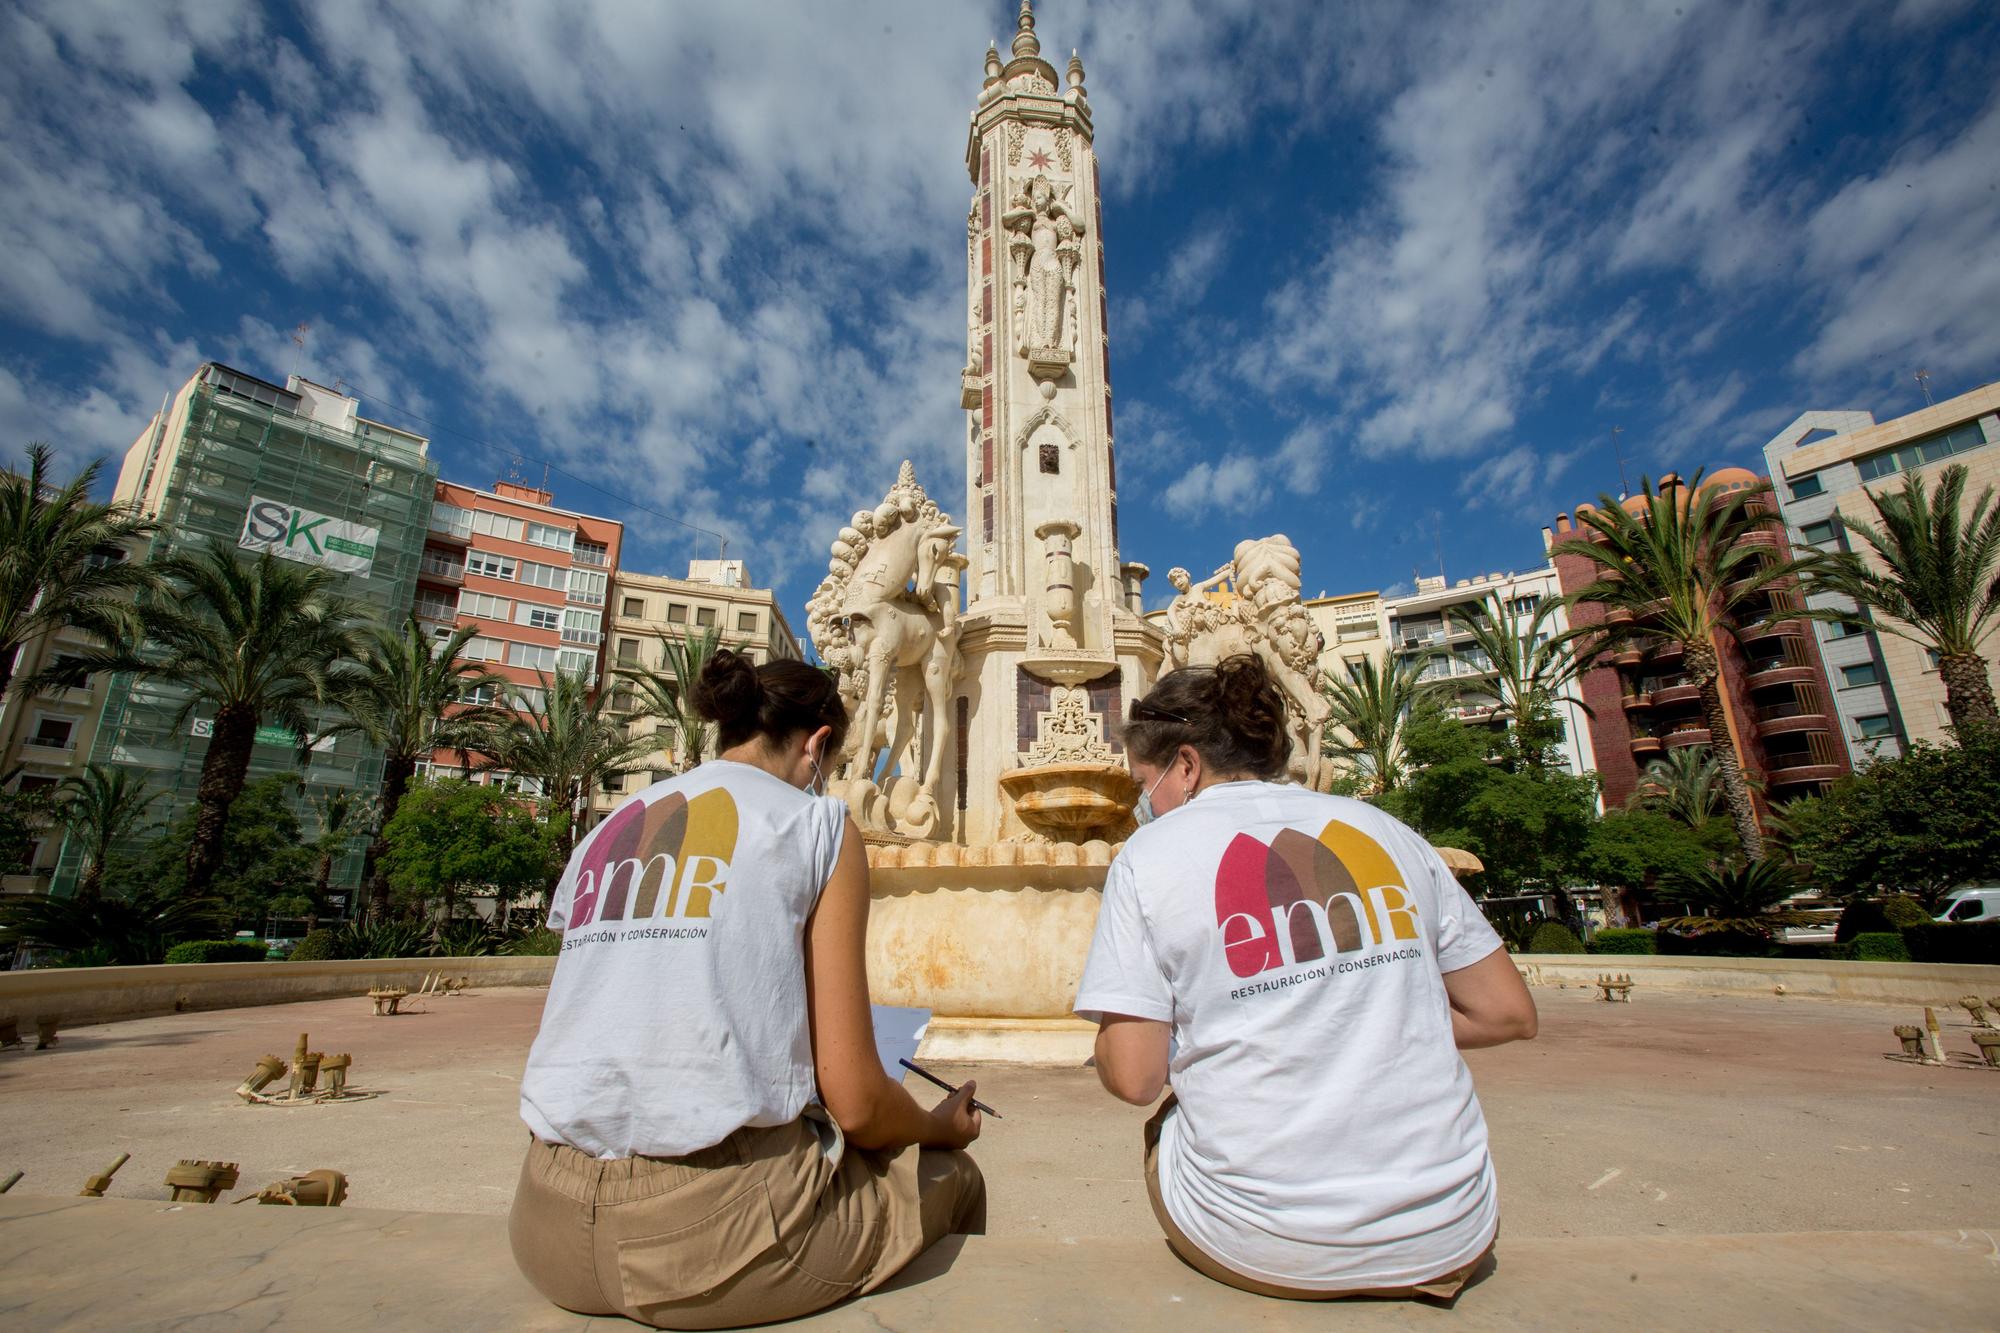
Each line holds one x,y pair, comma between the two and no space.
312,539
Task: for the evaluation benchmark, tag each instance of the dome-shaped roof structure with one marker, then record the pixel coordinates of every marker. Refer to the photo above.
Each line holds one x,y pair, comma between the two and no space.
1633,504
1730,479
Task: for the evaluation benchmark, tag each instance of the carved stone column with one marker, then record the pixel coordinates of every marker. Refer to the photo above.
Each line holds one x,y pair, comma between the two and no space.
1059,598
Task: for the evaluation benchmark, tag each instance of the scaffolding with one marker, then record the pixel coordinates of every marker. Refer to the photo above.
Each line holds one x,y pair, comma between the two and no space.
234,448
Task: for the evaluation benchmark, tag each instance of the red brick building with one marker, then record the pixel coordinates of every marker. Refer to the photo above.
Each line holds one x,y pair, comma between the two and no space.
532,578
1782,724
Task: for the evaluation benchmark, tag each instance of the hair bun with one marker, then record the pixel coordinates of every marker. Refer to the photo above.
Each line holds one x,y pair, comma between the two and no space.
728,692
1251,707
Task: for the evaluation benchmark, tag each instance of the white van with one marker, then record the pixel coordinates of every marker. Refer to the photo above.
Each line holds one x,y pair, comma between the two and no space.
1981,904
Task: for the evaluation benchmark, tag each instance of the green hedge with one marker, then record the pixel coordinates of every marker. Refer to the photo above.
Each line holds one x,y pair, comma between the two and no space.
1881,946
1623,939
1865,916
317,947
540,942
217,951
1953,942
1716,944
1554,937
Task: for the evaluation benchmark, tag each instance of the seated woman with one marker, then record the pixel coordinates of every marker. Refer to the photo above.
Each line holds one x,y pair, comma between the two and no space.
715,1142
1303,969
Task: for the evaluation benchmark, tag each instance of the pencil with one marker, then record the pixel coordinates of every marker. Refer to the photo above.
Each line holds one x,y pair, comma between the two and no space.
924,1073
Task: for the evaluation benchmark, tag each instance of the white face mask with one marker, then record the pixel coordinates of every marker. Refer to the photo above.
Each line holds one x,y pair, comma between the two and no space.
1143,812
818,784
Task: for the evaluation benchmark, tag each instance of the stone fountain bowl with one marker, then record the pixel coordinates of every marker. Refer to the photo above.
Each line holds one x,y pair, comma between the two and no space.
1072,802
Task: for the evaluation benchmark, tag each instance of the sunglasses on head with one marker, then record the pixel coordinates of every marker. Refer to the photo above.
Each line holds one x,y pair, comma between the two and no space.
1141,711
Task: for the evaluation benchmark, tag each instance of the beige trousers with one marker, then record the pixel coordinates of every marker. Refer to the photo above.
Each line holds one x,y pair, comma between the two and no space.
1444,1287
769,1224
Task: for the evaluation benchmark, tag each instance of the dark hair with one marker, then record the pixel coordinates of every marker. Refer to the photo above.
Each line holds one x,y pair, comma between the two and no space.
776,701
1231,713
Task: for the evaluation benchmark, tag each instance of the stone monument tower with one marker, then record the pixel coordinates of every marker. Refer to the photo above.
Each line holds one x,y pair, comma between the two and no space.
1051,638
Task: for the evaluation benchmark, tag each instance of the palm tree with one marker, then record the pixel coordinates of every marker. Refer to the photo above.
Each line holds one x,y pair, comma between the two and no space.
248,639
1685,786
1371,708
663,694
135,927
1684,568
567,743
343,815
409,694
1737,899
1534,667
99,807
1939,586
62,559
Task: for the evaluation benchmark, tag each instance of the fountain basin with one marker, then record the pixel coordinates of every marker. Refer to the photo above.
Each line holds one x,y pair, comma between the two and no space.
1069,802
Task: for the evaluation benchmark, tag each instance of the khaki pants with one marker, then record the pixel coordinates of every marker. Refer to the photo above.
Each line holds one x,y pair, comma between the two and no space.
769,1224
1445,1287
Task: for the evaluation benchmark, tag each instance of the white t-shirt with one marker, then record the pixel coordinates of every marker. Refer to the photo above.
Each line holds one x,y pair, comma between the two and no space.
1327,1135
677,1014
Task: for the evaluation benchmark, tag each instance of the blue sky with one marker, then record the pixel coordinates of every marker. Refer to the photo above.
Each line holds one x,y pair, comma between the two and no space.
1384,277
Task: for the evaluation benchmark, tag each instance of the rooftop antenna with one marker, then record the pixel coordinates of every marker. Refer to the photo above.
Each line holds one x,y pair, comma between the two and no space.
299,344
1437,536
1624,486
1923,379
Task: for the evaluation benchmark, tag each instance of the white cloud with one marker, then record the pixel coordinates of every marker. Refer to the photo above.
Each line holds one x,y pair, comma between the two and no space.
1232,484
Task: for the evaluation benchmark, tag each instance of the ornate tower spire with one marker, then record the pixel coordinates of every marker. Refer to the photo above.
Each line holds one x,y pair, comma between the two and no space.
1025,41
1076,73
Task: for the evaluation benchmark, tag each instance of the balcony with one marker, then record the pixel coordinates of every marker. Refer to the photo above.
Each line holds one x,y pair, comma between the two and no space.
1782,623
1780,672
1645,747
1784,719
1617,615
1801,772
1637,701
1767,537
1631,657
443,530
1667,695
1686,736
440,571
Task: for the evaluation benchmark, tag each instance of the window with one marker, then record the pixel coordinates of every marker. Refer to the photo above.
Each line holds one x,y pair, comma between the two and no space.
614,782
484,605
1965,909
676,614
581,627
484,694
1862,673
540,617
1934,657
490,565
534,656
587,586
624,701
1841,629
746,622
1918,452
490,524
65,659
104,556
590,553
52,733
451,519
628,652
1820,533
1051,459
576,661
704,615
634,607
544,576
1804,488
1873,727
527,696
543,534
481,649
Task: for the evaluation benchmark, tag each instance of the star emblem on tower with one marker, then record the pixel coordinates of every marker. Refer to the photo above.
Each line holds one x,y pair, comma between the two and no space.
1039,159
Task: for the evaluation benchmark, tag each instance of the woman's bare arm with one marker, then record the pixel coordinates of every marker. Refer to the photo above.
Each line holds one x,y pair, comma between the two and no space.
1490,1004
872,1110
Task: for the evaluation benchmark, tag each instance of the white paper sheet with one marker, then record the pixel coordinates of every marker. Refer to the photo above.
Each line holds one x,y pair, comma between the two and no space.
897,1034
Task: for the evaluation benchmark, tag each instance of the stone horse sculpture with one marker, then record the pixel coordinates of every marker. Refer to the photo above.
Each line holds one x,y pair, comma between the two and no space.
886,619
1266,617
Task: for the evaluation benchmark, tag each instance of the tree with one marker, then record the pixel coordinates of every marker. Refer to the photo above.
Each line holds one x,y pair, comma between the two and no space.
131,928
1638,849
1685,786
449,836
664,694
261,863
343,815
1685,569
62,560
250,640
1371,709
1921,823
411,695
1535,669
568,744
1939,586
1736,899
99,807
24,817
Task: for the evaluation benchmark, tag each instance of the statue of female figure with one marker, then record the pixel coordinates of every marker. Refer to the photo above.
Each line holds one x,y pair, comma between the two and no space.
1048,247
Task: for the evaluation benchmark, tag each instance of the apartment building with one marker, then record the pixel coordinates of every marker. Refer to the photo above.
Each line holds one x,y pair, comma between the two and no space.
716,595
1355,626
531,578
1887,691
1775,696
236,460
1424,632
